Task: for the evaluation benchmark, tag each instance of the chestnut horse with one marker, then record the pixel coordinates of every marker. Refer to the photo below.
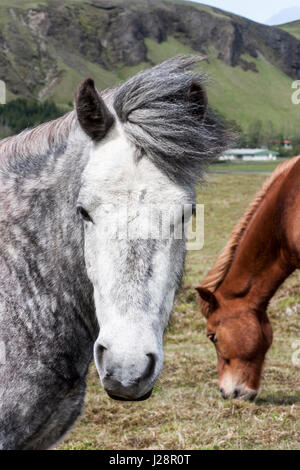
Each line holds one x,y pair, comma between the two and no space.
263,250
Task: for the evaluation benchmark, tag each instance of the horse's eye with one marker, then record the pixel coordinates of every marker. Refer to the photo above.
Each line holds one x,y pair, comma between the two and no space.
84,214
212,337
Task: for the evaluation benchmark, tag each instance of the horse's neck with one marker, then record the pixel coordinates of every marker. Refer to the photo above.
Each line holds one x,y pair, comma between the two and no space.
258,267
42,259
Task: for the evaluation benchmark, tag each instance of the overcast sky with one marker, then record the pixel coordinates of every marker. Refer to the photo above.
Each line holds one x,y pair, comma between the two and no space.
257,10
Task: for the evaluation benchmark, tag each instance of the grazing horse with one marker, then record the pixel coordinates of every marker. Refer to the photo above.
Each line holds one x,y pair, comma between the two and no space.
263,250
74,285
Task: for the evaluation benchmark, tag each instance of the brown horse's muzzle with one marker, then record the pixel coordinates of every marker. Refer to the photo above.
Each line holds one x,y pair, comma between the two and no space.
242,393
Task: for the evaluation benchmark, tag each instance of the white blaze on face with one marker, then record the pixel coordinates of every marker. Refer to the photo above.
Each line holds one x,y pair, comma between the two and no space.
134,270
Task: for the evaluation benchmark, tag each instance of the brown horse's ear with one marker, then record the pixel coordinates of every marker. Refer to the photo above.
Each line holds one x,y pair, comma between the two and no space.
197,95
209,298
93,114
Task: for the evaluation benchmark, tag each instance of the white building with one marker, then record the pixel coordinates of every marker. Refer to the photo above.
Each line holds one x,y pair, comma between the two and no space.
249,155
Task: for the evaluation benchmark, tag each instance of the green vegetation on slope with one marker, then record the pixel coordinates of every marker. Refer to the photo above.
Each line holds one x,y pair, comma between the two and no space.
245,96
67,41
239,95
292,28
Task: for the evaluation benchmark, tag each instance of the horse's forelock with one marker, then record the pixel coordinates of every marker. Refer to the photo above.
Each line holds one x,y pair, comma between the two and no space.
164,118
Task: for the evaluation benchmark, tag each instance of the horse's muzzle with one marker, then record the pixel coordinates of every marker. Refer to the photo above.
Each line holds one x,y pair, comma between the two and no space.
143,398
239,393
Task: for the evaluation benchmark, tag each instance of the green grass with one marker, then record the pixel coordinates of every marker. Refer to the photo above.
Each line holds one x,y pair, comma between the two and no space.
241,167
242,96
248,96
165,50
186,410
292,28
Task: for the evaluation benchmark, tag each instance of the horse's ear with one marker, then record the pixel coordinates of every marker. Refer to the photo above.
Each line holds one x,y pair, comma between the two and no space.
209,298
93,115
197,95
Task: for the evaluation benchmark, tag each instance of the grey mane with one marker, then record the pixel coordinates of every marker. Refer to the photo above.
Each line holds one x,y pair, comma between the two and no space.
38,141
163,123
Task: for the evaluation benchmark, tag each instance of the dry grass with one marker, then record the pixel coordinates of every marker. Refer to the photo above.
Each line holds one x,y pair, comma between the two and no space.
186,411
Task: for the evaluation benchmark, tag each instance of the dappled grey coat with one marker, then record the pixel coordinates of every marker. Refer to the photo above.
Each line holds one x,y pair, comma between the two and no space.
47,319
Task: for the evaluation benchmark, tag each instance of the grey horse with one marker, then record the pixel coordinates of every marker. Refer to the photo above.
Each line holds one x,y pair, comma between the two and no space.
72,287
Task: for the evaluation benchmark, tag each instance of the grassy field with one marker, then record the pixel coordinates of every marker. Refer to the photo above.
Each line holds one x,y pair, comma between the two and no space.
242,167
186,410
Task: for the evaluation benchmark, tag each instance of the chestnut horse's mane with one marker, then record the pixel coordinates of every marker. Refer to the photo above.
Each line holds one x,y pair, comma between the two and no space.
221,267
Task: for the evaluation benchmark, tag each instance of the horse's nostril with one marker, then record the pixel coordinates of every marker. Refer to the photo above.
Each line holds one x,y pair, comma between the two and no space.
109,373
236,393
150,368
98,352
223,393
253,396
100,348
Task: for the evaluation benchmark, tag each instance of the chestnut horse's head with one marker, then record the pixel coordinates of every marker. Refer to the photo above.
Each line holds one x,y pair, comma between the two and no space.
241,337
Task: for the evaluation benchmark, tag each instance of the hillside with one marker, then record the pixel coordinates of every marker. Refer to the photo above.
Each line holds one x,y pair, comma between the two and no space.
48,46
292,28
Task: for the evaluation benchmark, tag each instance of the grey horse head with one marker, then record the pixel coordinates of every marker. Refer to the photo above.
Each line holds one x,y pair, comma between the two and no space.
150,141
